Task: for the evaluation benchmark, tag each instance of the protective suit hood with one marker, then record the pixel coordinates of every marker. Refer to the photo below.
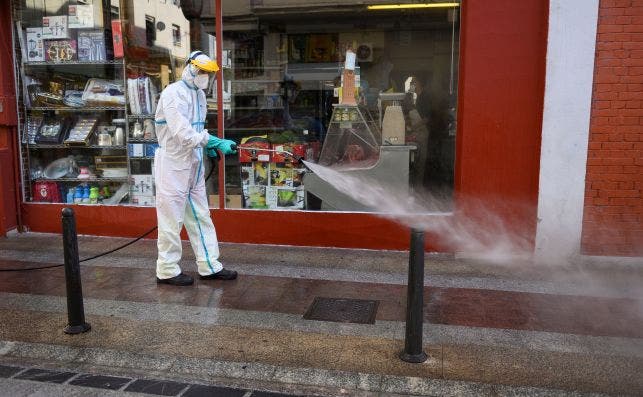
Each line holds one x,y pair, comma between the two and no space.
188,75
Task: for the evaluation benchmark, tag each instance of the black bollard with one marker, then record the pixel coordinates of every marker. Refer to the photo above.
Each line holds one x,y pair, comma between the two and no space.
75,310
413,352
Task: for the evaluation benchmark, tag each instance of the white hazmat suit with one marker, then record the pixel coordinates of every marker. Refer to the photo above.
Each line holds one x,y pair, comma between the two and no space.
180,180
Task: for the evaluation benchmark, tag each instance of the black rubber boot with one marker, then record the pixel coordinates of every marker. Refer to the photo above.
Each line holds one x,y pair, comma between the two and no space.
223,274
180,280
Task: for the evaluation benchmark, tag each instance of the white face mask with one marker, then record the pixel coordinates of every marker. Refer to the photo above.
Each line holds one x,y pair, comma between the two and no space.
201,81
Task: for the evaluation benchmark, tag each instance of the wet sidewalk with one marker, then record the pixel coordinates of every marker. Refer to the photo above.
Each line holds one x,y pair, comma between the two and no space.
490,329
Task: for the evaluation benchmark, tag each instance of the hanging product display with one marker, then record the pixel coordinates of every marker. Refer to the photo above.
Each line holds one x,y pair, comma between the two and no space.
142,95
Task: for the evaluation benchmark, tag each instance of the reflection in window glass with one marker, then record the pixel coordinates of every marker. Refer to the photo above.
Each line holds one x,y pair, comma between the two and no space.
176,35
289,97
150,30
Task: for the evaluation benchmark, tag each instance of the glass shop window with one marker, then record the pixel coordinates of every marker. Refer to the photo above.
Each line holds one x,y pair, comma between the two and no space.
89,76
369,93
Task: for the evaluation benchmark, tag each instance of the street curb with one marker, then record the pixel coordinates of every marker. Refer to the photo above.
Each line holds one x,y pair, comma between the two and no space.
207,369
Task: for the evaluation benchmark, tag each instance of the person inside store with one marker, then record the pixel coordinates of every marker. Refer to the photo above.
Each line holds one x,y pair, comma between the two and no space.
421,128
417,133
180,178
422,99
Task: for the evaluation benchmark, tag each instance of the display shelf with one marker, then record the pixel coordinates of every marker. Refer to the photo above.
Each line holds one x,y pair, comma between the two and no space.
142,140
258,107
140,116
141,157
63,146
255,128
269,67
251,80
98,179
245,94
79,109
65,63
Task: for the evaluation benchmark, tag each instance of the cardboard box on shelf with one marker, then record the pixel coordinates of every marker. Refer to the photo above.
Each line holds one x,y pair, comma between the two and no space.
81,16
60,50
150,148
142,184
91,46
35,45
231,201
136,149
143,199
256,173
255,196
284,197
55,27
280,175
117,38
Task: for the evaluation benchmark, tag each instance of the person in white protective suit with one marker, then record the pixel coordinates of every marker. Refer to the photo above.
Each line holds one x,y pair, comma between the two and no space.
179,175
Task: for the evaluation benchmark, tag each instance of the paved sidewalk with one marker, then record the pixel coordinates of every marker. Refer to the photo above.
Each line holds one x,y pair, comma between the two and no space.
510,329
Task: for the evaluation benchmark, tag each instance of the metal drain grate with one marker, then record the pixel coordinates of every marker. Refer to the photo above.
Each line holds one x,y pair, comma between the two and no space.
342,310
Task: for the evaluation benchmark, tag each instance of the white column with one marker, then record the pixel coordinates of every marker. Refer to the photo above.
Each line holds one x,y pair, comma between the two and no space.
563,159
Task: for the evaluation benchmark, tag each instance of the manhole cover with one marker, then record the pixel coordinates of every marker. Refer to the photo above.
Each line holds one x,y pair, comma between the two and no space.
342,310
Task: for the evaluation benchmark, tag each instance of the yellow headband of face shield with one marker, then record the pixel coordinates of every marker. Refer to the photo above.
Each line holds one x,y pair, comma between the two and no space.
203,62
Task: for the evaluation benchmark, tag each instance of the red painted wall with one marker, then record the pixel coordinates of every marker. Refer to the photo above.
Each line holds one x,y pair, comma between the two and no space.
8,121
612,222
497,157
504,45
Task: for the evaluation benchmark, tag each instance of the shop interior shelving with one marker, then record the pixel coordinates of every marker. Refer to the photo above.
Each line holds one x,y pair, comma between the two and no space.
67,70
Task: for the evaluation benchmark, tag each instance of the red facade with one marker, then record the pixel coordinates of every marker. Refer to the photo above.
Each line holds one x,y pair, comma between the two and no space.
501,89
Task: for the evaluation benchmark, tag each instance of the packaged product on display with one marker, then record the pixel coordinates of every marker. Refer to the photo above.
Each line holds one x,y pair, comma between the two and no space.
142,95
32,126
52,131
55,27
142,189
272,185
60,50
81,16
117,38
91,46
46,191
81,132
104,92
35,45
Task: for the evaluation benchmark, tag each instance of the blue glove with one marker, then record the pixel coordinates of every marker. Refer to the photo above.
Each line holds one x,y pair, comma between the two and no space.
226,146
212,153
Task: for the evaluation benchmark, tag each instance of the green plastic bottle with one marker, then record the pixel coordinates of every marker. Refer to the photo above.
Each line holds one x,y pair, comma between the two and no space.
93,195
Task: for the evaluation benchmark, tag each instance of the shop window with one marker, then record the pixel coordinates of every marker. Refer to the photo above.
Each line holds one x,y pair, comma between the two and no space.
90,77
390,118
